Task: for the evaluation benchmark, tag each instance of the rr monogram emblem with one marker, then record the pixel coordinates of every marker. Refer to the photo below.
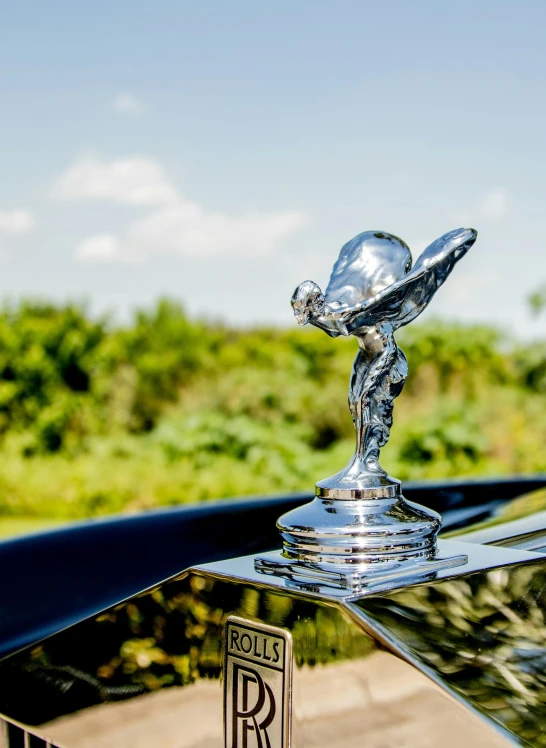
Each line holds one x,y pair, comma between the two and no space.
257,685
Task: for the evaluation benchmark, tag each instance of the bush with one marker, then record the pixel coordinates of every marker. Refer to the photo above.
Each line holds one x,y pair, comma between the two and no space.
97,417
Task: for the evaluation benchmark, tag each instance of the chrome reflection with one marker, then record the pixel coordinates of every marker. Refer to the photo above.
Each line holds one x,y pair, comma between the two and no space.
483,636
519,523
154,663
148,672
369,702
13,735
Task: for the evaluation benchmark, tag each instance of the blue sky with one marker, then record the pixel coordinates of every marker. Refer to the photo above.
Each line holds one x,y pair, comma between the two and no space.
221,152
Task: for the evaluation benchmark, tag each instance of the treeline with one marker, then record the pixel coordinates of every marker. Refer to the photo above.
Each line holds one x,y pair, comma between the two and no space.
97,417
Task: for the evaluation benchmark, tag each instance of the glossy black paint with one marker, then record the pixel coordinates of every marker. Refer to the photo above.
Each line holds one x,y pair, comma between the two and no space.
54,579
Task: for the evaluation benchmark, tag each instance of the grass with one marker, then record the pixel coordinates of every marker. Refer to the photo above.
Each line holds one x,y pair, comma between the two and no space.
13,526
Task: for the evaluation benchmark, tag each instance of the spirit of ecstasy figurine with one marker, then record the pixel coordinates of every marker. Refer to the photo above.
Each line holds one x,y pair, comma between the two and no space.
374,290
360,527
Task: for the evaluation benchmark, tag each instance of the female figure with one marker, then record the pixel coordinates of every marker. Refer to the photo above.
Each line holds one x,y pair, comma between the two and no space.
373,291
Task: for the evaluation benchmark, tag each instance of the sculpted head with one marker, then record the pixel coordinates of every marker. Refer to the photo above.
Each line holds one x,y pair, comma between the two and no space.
307,299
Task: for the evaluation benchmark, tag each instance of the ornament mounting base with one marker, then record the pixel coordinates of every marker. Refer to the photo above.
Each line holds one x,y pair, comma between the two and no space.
368,527
357,579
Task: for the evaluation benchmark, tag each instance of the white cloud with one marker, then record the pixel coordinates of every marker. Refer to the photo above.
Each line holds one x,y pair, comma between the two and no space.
135,180
16,222
102,248
494,205
189,230
177,225
126,103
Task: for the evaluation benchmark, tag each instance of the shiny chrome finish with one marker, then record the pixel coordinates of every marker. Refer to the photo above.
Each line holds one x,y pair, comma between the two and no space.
482,636
13,735
360,516
373,291
527,534
519,524
371,670
454,559
358,579
369,529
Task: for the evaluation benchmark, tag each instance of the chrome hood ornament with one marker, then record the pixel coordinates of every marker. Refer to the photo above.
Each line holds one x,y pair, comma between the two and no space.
373,291
360,516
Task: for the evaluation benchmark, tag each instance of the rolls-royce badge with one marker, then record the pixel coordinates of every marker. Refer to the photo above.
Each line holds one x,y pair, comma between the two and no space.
257,685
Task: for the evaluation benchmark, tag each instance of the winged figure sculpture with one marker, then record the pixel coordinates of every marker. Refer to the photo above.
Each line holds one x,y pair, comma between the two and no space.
374,290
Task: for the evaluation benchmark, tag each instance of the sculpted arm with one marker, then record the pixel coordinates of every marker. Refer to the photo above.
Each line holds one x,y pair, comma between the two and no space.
331,326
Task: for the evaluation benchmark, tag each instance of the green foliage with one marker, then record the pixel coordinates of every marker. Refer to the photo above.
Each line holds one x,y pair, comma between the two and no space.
98,418
448,436
531,367
537,301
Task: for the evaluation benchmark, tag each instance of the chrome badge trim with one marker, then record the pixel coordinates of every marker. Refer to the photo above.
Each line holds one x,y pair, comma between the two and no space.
257,685
14,734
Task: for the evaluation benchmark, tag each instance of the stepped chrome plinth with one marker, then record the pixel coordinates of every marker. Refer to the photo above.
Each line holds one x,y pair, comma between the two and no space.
365,530
357,538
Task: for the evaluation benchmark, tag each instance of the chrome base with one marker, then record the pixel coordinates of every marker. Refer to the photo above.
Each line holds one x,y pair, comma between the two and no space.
355,579
375,528
453,560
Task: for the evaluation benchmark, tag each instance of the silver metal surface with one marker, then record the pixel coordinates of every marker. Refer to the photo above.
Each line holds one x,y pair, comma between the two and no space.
369,529
358,579
526,533
519,523
150,671
274,570
360,515
257,684
15,735
373,291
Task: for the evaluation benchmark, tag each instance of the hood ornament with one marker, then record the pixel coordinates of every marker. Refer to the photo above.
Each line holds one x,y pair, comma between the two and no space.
359,522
